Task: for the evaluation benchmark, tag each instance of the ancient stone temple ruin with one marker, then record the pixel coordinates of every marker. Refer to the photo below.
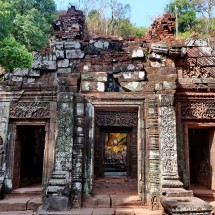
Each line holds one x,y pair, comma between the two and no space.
91,108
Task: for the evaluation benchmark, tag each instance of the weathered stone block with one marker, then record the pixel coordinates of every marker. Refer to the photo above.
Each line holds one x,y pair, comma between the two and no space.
96,76
169,85
130,67
87,86
49,65
34,73
131,76
134,86
59,54
157,62
56,203
185,205
160,48
74,54
59,45
64,70
21,72
72,44
17,79
99,44
91,50
63,63
138,53
31,80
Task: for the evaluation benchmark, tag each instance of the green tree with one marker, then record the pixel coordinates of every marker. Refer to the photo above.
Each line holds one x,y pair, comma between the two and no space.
14,55
185,14
32,30
25,26
206,9
5,26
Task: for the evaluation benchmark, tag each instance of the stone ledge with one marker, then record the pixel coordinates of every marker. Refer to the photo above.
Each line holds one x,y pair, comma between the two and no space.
185,205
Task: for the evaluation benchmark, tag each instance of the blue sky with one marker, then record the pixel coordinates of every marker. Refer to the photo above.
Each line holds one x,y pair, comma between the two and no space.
143,12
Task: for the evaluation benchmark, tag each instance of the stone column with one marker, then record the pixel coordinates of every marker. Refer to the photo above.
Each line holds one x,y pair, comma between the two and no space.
89,148
57,194
77,155
64,144
4,120
153,154
168,142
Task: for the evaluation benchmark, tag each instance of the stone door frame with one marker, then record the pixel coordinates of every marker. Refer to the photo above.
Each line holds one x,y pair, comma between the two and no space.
11,161
125,104
187,125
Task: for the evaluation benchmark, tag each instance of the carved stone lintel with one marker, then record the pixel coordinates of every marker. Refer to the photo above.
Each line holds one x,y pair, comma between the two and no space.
198,110
113,118
30,110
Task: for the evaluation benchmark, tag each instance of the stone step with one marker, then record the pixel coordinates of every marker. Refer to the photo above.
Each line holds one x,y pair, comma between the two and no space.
59,182
104,211
28,212
54,189
204,194
185,205
177,192
20,204
113,201
58,175
26,192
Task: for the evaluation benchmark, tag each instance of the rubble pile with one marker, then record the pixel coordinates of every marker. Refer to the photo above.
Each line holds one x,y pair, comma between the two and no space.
162,29
69,25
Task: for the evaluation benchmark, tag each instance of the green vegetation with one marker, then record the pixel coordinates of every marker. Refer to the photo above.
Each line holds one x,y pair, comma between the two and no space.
25,27
194,17
109,18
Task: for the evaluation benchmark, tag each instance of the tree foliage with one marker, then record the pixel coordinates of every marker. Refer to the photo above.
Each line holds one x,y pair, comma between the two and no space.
13,54
25,25
193,15
109,18
185,13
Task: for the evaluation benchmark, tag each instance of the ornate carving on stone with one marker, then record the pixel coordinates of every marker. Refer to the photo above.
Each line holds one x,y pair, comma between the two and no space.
1,152
154,202
168,140
166,100
30,110
198,110
115,118
197,72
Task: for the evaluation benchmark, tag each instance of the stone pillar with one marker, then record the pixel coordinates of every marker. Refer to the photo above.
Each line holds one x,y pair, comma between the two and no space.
168,142
153,154
57,194
77,155
89,148
4,120
63,149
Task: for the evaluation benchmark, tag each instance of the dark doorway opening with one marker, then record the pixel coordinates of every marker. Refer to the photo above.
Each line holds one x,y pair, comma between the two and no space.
28,157
200,143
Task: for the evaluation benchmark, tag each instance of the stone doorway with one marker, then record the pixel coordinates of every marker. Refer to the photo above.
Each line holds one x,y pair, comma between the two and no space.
115,152
29,142
201,156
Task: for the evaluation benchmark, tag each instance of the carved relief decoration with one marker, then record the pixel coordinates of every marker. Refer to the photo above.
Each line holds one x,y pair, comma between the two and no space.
115,118
198,110
197,72
1,152
30,110
168,140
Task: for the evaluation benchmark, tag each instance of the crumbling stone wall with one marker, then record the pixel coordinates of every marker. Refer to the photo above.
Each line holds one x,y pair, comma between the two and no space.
77,72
